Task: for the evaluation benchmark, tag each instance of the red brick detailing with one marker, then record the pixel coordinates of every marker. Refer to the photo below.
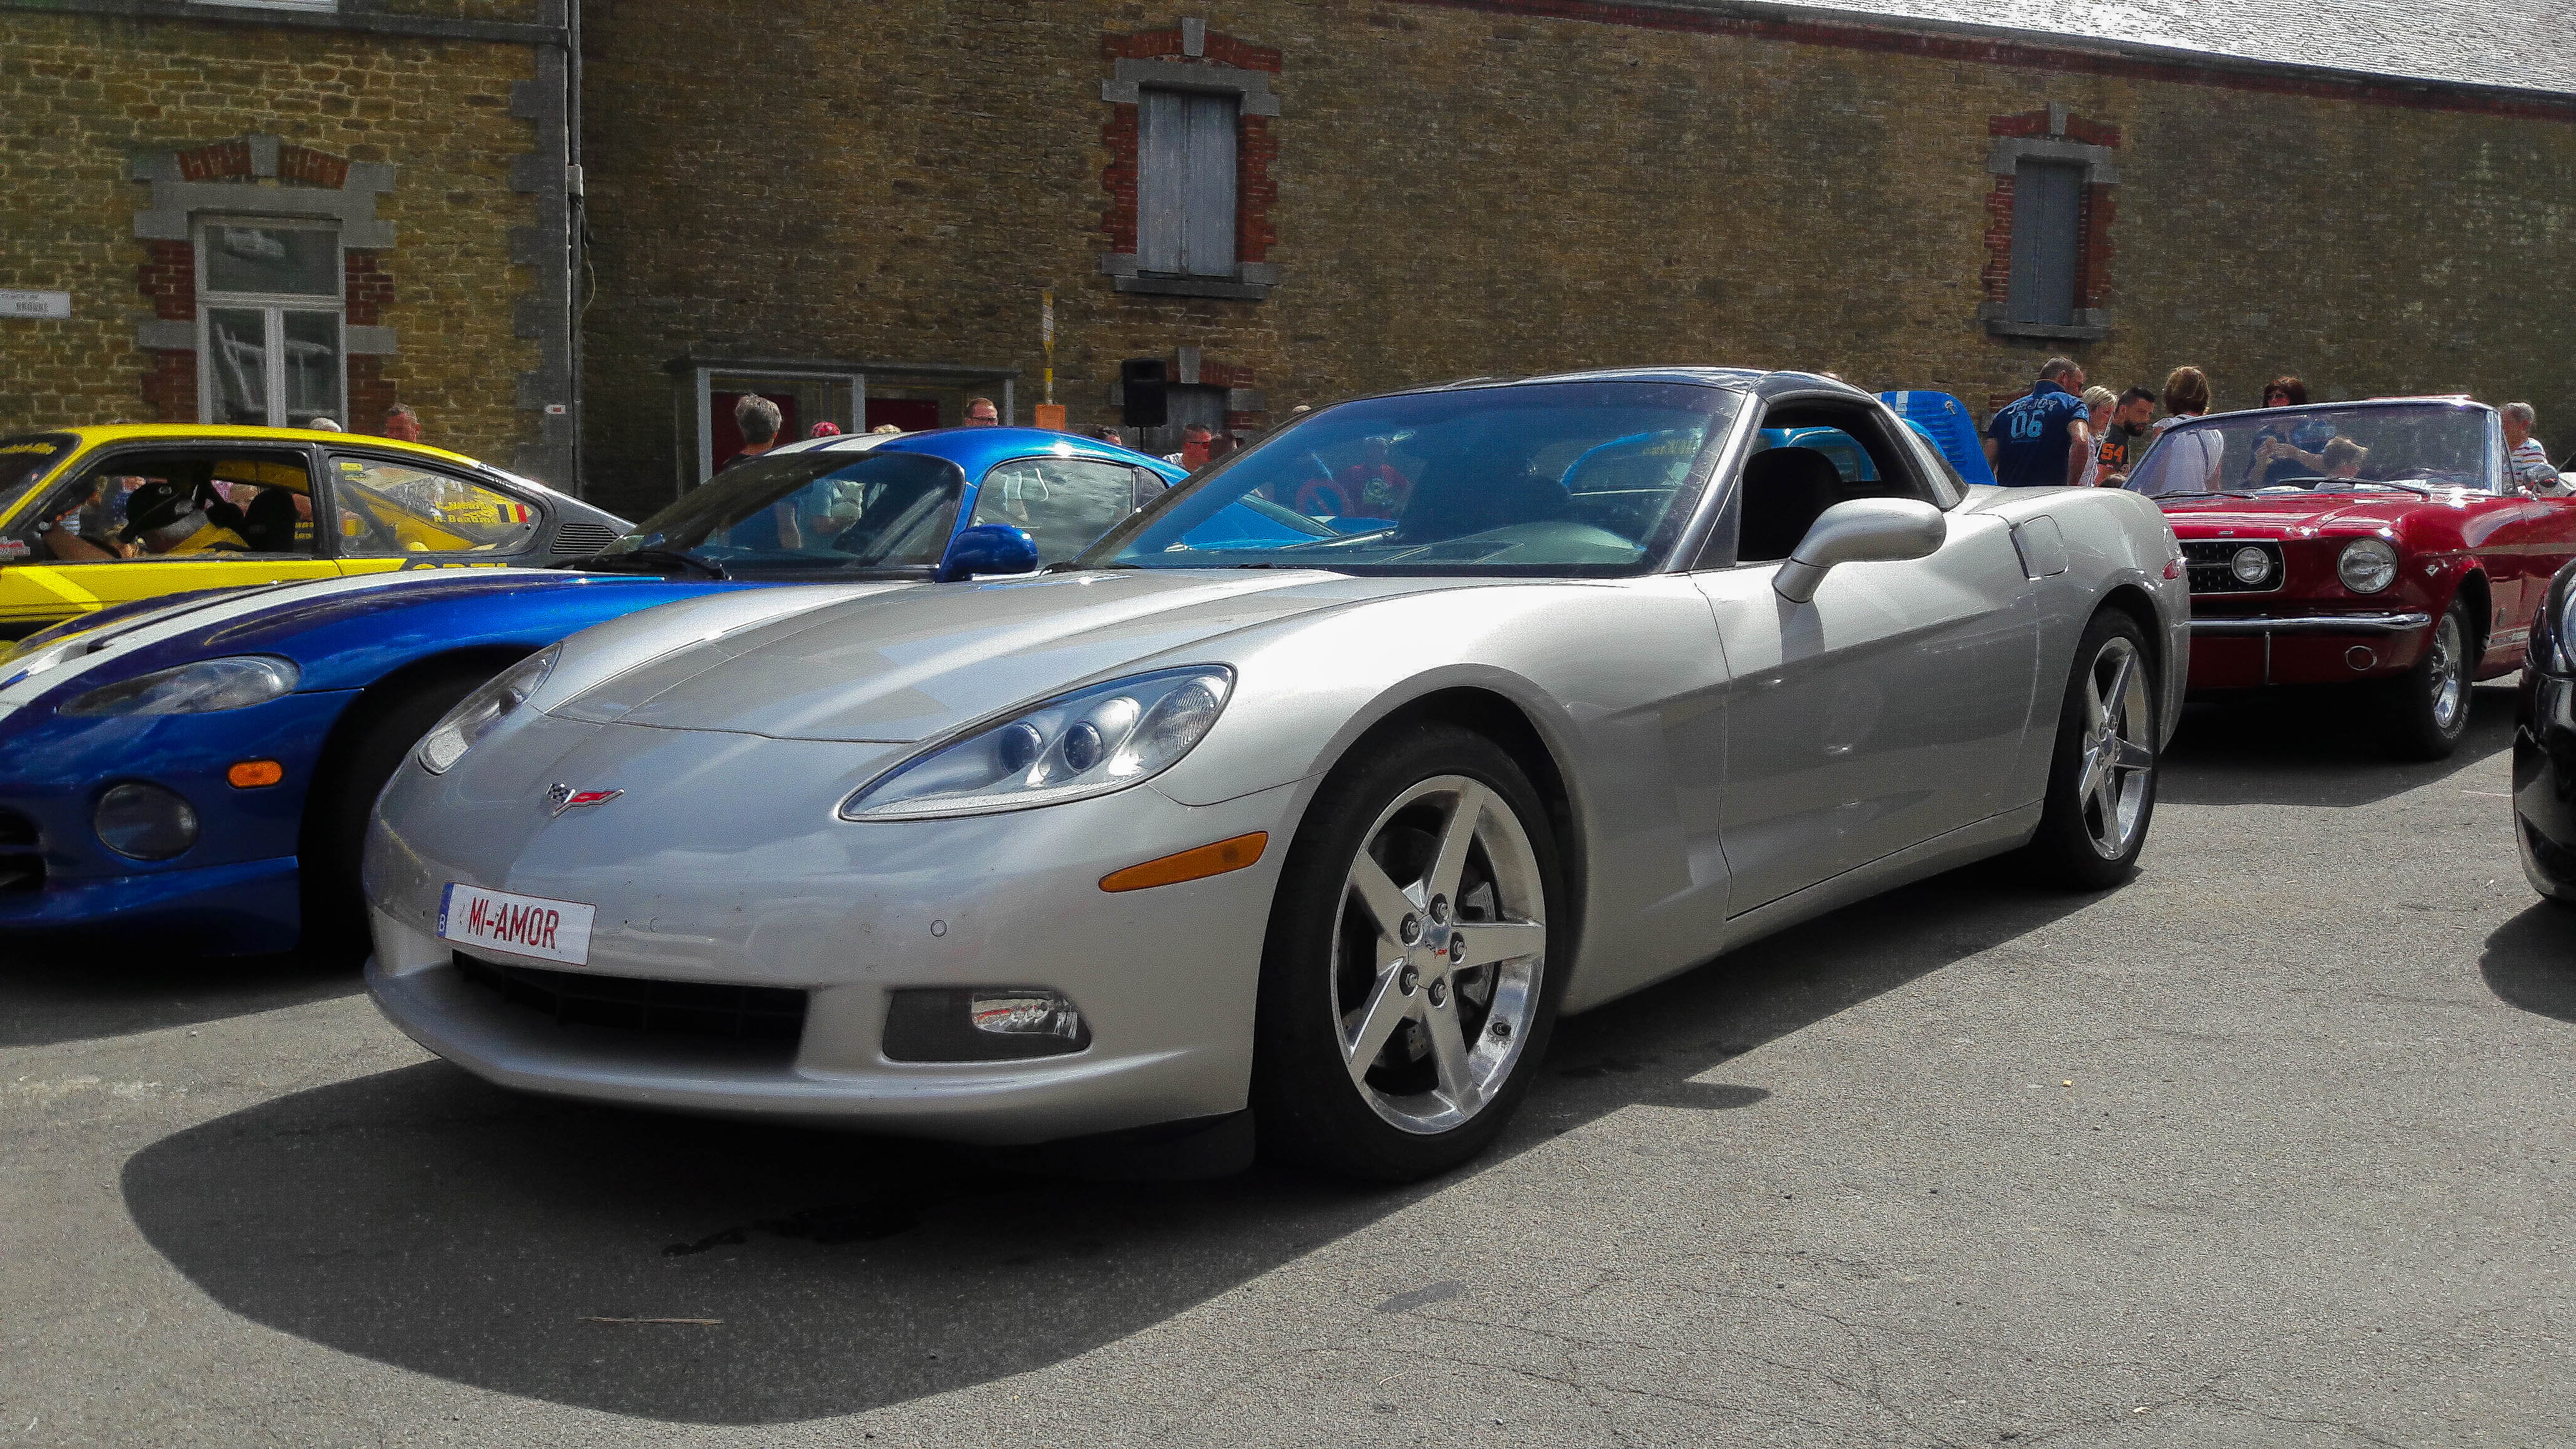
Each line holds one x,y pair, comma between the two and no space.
170,386
1255,146
1997,277
307,167
1221,374
370,290
168,278
2035,123
1118,178
1166,45
370,393
2094,212
2039,56
216,160
1254,192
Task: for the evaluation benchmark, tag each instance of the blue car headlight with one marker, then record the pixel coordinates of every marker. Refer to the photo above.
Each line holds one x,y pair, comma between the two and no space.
1074,746
479,713
204,687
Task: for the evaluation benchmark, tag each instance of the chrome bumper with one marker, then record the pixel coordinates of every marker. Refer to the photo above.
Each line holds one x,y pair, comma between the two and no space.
2314,624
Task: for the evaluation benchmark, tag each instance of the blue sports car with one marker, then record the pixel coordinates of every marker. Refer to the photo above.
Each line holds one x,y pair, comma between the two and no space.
198,769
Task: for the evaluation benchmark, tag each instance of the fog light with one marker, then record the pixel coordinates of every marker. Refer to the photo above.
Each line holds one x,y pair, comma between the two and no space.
2251,565
144,822
982,1024
2361,656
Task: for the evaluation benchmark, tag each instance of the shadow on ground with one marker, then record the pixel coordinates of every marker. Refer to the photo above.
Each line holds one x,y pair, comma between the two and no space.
2530,961
2319,748
425,1220
72,995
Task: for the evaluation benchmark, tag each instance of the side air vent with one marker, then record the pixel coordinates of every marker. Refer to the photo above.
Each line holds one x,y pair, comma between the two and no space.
581,536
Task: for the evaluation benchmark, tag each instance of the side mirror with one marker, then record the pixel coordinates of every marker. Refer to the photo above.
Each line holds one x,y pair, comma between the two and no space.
1859,530
988,548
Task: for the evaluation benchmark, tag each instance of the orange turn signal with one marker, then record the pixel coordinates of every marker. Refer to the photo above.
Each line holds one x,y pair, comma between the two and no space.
252,774
1197,864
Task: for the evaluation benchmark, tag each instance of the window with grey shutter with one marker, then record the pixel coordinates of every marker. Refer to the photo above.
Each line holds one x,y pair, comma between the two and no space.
2046,201
1185,183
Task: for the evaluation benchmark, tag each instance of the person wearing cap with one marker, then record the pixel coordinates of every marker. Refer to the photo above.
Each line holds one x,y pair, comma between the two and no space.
824,430
165,519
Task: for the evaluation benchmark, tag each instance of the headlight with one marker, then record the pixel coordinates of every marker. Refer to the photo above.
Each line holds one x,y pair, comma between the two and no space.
145,822
200,688
1086,743
2367,565
476,714
2250,565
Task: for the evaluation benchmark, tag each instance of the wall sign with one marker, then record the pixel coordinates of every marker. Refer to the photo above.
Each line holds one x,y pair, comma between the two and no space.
35,304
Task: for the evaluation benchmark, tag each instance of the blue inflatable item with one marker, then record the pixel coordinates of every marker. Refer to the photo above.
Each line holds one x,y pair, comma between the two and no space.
1951,427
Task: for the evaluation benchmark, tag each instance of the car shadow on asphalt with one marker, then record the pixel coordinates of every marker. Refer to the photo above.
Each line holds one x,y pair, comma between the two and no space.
565,1252
2530,961
70,995
2320,748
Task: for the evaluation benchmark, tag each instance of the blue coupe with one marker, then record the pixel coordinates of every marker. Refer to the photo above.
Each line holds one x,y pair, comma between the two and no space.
198,769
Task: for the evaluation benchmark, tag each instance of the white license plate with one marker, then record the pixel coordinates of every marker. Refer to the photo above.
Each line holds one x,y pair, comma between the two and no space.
521,925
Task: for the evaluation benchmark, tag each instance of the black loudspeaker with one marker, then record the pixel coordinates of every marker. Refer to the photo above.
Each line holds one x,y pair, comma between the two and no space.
1141,381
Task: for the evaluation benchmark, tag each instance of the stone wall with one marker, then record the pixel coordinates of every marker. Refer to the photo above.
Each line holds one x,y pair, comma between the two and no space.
84,98
1492,186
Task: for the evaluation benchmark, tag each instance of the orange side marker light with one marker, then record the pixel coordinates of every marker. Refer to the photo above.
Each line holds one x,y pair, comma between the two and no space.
254,774
1199,864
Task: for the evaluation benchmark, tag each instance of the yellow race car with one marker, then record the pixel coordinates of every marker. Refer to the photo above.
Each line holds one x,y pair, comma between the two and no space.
262,505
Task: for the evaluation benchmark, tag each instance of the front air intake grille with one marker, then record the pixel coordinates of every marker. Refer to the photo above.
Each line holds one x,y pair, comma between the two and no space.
580,537
703,1009
2211,564
22,866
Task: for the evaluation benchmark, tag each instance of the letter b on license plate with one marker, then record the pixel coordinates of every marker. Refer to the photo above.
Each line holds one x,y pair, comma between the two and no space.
521,925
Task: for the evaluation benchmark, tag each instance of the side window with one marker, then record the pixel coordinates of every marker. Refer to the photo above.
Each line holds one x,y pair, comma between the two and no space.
1064,503
1821,454
2046,232
172,504
388,509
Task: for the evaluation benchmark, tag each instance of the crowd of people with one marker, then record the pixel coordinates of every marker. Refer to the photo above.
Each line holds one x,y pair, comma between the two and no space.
2063,433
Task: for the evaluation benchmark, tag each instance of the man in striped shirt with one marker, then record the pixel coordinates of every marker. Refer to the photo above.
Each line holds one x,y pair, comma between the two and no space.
2526,462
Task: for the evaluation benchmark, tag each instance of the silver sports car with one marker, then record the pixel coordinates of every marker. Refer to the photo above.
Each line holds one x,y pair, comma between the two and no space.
1316,791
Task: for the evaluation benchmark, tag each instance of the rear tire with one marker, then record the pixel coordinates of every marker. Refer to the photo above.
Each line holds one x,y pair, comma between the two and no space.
2102,778
2426,709
1377,1055
364,753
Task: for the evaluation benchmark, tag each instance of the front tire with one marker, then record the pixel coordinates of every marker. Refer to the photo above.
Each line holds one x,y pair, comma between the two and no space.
2102,778
367,750
2427,707
1418,947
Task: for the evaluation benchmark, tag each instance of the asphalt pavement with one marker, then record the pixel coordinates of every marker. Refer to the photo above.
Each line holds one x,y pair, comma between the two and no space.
2269,1147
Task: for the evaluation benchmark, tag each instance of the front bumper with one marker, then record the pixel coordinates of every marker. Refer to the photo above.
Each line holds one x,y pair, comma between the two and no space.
2391,623
242,908
722,874
2253,651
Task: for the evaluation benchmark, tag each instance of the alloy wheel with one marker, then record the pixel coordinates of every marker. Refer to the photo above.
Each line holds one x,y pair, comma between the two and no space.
2119,765
2449,682
1439,950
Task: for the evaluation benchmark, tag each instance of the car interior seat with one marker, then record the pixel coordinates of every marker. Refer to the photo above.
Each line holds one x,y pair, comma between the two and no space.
1784,490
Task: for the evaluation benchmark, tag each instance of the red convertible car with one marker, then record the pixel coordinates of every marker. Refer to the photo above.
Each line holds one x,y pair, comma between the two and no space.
2378,545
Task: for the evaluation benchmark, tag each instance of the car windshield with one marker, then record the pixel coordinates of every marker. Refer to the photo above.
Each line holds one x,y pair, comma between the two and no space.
2320,449
806,513
1551,478
25,459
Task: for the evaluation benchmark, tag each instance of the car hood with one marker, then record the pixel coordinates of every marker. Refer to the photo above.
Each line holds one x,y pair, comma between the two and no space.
2208,516
899,667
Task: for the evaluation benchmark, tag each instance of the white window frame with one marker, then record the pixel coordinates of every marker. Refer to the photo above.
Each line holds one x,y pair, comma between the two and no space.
273,307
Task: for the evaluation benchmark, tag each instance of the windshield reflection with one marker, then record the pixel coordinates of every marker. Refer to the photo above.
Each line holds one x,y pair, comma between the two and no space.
805,513
1572,478
2281,451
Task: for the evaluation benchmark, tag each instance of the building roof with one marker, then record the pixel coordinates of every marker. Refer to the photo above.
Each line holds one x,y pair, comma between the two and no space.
2515,44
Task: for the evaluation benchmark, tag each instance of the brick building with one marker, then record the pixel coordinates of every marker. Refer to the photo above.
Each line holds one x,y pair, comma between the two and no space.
270,213
1286,200
860,219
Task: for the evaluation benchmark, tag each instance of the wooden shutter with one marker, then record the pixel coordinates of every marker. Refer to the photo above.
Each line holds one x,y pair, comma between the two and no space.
1185,183
2046,200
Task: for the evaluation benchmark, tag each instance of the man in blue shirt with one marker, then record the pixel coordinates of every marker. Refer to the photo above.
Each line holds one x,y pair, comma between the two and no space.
2044,440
